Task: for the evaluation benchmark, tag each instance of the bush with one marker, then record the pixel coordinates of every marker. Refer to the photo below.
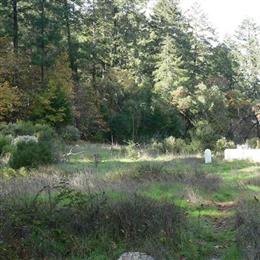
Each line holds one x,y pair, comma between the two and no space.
6,129
254,143
25,139
204,134
174,145
23,128
4,142
194,147
9,173
31,154
248,228
223,144
132,150
70,134
157,146
202,180
148,171
137,219
32,145
66,225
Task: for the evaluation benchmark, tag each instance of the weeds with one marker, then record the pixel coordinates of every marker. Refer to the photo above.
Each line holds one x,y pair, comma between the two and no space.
147,171
254,181
248,227
207,182
52,223
166,206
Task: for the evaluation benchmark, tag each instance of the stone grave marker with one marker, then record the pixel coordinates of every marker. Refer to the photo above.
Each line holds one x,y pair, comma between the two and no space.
208,156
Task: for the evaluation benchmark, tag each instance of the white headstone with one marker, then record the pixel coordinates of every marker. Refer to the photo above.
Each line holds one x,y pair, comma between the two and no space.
208,156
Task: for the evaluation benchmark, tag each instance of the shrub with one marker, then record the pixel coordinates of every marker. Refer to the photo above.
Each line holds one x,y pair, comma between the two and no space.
23,128
25,139
248,228
223,144
254,143
205,134
28,128
194,147
202,180
4,142
7,129
55,228
10,101
148,171
31,154
8,173
32,145
137,218
157,146
48,135
70,133
132,150
174,145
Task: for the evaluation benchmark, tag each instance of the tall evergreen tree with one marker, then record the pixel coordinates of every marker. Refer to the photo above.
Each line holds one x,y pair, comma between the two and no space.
169,74
247,53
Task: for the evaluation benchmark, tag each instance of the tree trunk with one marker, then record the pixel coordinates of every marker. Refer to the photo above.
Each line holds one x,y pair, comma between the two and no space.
69,42
42,44
15,26
15,39
72,59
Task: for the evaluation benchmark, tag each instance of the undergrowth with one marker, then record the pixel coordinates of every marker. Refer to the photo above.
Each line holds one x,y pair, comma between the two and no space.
67,223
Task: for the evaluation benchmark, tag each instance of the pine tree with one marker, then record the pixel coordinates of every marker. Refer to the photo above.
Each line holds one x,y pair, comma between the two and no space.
247,53
169,74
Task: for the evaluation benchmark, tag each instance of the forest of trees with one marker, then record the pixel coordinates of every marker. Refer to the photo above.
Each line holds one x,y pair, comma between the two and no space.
114,70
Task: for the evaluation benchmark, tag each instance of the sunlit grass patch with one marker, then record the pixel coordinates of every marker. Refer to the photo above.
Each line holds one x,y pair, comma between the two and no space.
164,191
178,193
253,188
233,253
227,192
211,212
223,167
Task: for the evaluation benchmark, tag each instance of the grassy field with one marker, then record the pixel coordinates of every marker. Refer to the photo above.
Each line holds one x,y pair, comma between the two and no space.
215,207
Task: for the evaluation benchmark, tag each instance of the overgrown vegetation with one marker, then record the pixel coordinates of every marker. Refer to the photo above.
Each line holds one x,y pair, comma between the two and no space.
56,224
248,224
157,88
167,206
27,145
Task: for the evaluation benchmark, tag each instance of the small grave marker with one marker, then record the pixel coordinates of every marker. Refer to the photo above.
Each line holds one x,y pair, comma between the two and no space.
208,156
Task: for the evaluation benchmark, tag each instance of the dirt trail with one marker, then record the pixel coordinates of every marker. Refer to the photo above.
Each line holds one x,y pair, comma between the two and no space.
222,225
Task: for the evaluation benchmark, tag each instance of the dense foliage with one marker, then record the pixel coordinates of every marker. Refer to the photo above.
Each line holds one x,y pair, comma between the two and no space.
27,145
118,72
57,227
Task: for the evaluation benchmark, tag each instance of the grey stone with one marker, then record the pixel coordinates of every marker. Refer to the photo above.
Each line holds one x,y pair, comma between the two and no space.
135,256
208,156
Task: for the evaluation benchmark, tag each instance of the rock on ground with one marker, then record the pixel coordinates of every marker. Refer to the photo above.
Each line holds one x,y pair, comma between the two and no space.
135,256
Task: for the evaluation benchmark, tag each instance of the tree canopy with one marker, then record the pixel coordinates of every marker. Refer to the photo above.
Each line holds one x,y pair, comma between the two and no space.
114,71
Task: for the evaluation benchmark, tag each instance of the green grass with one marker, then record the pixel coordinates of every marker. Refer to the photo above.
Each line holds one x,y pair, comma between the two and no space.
234,175
208,211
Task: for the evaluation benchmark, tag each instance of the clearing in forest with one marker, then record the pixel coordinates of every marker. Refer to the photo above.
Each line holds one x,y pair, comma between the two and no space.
104,201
